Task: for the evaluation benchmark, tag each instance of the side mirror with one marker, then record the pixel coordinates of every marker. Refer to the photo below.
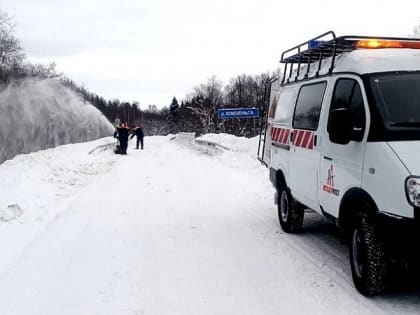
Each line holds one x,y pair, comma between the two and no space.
339,126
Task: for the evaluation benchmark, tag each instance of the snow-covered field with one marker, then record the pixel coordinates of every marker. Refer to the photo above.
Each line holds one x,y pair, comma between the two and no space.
166,230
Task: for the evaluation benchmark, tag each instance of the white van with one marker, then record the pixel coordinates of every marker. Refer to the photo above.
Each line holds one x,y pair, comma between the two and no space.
343,138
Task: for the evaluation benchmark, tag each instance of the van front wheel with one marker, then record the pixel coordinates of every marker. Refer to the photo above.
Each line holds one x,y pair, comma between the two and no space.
367,258
290,212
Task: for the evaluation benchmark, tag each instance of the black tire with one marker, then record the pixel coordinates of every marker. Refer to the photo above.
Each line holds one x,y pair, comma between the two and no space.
368,261
290,212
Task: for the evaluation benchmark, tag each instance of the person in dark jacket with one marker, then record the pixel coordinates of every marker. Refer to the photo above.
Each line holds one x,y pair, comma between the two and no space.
122,134
138,132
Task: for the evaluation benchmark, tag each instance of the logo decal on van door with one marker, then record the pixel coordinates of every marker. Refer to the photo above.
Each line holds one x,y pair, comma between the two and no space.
329,187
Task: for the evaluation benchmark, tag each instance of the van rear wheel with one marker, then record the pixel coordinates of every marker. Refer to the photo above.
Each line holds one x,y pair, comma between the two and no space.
291,213
367,258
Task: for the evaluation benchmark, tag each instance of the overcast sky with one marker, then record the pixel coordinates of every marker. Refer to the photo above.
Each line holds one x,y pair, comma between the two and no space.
152,50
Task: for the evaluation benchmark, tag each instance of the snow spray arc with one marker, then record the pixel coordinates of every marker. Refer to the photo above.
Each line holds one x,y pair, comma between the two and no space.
38,114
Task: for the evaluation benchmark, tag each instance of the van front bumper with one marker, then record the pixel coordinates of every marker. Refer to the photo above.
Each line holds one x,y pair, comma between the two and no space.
401,235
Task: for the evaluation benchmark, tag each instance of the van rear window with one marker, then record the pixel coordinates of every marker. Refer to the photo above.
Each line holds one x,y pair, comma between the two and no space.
284,104
308,106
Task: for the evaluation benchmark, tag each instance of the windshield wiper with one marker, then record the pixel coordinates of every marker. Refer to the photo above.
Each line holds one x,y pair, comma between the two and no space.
406,124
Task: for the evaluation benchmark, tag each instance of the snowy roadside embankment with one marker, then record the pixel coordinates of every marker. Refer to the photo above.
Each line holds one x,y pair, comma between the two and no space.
37,187
236,144
238,152
35,179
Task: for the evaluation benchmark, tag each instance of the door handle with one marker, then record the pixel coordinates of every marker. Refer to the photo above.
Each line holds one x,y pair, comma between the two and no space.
327,158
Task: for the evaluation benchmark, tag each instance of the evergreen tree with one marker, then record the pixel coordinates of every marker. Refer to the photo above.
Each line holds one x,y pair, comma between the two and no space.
173,116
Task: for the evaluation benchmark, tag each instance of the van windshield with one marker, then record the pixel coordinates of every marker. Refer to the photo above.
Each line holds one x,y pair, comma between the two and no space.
397,99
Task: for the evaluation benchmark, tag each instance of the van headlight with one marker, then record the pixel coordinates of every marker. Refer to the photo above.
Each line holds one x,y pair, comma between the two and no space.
412,188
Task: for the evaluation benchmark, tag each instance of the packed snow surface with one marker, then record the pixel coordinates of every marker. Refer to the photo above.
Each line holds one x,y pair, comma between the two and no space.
38,114
165,230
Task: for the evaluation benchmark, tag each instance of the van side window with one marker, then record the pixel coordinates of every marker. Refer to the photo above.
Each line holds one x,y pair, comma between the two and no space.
347,94
273,106
308,106
282,115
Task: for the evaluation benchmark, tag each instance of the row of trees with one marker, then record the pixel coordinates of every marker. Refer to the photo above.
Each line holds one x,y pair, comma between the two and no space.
196,113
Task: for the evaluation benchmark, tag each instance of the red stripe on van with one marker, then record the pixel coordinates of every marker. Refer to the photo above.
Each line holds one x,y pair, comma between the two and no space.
274,134
278,134
305,140
285,139
301,144
311,142
281,134
298,139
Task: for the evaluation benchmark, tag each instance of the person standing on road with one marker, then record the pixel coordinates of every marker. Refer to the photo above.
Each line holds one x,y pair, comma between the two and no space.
138,132
122,134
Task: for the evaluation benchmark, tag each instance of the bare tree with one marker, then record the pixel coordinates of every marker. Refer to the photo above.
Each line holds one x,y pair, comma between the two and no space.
205,100
241,91
205,114
11,52
41,71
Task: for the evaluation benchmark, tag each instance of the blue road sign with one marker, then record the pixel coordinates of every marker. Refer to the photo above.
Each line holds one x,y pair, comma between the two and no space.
227,113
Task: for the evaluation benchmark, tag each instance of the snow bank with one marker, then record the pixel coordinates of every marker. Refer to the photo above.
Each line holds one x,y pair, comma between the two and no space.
39,114
239,153
35,180
233,143
36,190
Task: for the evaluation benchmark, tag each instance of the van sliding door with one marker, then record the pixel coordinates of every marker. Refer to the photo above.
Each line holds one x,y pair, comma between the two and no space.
305,154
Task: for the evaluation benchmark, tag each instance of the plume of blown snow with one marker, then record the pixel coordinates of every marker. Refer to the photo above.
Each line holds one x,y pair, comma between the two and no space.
37,114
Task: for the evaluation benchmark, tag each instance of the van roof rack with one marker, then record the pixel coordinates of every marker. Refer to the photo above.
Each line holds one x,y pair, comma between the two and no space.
327,45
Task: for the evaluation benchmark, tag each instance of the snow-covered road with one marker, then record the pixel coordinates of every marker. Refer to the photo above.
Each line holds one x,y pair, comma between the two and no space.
166,230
